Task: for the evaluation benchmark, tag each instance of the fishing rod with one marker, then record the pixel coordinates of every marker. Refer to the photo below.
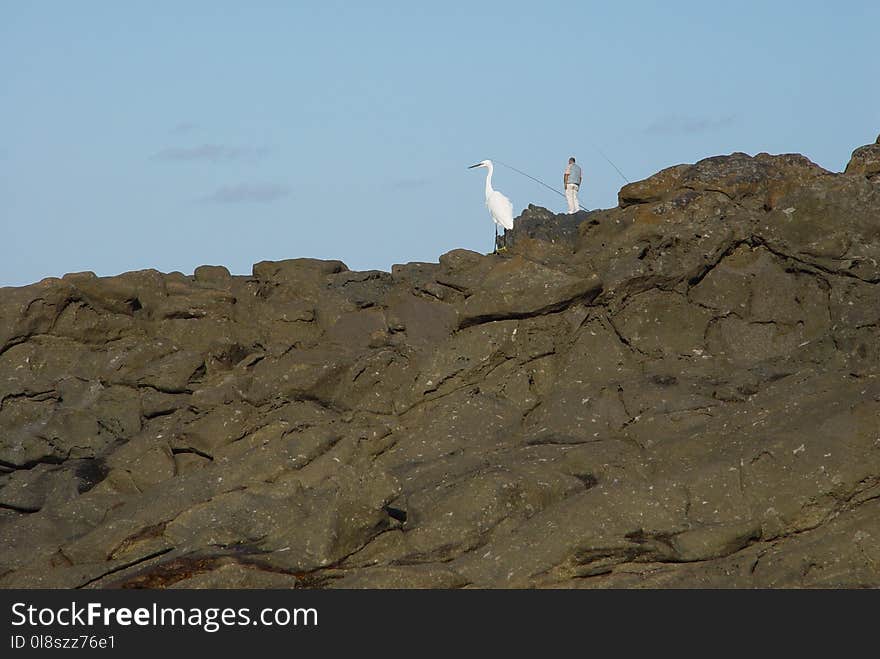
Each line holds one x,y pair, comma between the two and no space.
519,171
562,194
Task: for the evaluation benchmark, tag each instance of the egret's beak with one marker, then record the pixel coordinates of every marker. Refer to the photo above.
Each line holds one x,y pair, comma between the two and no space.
472,166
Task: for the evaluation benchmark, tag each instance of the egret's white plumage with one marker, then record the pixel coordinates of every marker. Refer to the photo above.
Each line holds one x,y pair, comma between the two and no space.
499,206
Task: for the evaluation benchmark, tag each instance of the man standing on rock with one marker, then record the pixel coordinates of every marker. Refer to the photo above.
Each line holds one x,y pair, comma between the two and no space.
572,182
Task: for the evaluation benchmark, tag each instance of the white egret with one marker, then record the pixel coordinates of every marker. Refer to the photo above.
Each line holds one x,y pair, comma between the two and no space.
500,207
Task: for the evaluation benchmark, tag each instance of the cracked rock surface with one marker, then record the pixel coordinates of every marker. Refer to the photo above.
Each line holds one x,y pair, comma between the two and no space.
679,392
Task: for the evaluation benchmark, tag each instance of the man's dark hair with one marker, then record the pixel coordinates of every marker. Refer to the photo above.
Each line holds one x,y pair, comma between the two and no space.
571,159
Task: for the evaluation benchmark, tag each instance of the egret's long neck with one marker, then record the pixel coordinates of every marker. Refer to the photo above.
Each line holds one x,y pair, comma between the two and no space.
489,179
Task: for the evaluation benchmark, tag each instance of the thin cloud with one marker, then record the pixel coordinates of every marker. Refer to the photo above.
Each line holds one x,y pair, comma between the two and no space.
183,128
681,125
212,153
410,183
247,193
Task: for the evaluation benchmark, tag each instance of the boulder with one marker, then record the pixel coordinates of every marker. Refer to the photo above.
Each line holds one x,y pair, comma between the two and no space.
865,161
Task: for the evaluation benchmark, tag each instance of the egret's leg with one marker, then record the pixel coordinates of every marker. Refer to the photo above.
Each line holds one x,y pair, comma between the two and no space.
495,243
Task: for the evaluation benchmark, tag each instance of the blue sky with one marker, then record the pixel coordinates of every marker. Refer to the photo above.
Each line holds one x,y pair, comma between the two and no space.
173,134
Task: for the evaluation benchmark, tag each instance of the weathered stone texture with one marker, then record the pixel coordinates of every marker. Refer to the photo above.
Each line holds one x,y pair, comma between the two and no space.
679,392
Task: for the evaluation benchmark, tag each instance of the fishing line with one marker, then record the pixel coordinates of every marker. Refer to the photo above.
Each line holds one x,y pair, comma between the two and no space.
608,160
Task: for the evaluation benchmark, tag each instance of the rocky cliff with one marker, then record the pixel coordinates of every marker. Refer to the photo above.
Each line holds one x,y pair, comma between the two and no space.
681,391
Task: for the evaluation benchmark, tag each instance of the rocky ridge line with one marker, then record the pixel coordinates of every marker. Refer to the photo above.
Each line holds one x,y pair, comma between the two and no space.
681,391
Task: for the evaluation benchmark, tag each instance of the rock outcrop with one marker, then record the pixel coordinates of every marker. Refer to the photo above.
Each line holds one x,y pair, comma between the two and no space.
681,391
866,161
